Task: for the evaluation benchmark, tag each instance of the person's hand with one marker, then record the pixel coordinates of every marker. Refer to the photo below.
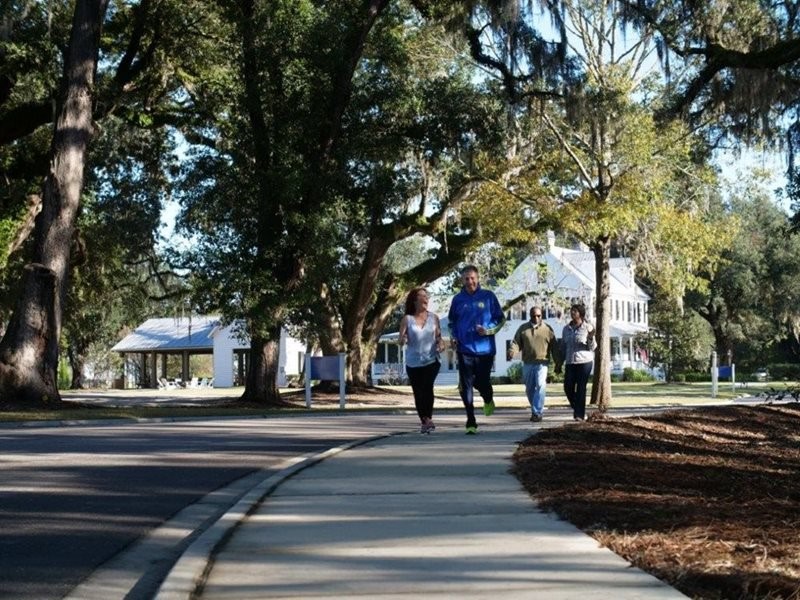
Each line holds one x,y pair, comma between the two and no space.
558,369
509,356
440,345
454,343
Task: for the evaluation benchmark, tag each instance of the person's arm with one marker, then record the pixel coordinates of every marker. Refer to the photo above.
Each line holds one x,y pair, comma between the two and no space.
403,339
552,345
496,315
437,332
561,351
451,323
516,343
591,340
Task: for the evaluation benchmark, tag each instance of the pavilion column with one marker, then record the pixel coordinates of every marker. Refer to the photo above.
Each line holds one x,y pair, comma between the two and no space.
185,366
163,365
142,369
154,370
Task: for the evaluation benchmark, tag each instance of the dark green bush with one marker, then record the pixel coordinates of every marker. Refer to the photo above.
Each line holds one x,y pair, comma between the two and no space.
784,371
636,375
697,377
514,372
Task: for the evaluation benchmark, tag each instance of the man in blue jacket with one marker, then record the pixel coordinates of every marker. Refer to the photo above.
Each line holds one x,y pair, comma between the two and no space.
475,317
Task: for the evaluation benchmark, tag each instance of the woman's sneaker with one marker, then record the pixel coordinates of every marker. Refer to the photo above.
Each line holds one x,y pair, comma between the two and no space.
431,426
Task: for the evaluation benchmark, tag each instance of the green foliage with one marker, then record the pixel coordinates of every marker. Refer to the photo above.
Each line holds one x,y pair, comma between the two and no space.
514,372
64,375
696,377
751,297
785,371
679,340
636,375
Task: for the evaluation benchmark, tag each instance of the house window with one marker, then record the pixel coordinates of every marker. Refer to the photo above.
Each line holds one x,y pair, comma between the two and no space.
616,309
630,312
393,354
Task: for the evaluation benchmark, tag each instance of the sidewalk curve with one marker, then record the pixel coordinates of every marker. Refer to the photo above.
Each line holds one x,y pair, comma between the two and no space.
405,516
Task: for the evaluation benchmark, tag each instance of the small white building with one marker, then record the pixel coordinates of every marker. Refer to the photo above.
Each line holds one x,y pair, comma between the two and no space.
145,352
231,349
554,280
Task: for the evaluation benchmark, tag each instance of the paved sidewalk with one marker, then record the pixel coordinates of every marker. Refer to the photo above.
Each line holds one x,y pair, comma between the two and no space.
407,516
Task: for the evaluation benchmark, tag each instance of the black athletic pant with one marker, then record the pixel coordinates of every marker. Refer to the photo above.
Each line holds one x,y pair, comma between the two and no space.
422,379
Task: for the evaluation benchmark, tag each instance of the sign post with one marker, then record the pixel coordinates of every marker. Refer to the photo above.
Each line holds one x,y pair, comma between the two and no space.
326,368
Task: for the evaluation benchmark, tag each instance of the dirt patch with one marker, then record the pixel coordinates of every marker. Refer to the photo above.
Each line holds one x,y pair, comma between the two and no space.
706,499
360,397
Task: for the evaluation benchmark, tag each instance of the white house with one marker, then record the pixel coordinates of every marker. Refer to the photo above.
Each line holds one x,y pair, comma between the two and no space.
231,348
146,349
554,280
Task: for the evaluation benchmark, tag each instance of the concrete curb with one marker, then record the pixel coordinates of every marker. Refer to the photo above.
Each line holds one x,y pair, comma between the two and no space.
187,576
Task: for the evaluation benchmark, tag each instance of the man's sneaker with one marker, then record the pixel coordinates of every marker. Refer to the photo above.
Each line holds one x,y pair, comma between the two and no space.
488,408
431,426
536,417
424,428
472,429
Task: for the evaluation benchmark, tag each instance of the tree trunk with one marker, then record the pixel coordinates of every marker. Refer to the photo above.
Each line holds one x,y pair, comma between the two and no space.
77,360
29,353
601,382
360,358
261,385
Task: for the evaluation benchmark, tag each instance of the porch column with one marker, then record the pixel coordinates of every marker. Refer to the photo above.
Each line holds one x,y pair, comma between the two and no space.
630,350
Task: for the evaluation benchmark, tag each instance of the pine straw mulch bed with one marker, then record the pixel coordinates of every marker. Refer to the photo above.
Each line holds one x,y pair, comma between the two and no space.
706,499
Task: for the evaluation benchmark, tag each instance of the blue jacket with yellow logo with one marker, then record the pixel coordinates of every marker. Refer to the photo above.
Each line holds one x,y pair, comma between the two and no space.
467,311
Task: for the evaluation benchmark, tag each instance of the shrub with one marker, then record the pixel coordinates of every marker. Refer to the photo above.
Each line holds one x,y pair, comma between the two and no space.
636,375
785,371
514,372
697,377
679,378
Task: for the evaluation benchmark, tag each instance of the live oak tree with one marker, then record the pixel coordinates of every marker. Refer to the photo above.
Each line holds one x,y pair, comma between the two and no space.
260,199
29,349
117,278
734,70
49,110
750,298
596,163
413,141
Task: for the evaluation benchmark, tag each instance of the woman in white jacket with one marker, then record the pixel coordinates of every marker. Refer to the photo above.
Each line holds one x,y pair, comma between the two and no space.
578,344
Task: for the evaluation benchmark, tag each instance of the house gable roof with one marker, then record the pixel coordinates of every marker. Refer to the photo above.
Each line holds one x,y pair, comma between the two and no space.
571,272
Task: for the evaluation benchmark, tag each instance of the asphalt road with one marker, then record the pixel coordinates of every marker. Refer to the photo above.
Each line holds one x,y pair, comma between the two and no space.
72,498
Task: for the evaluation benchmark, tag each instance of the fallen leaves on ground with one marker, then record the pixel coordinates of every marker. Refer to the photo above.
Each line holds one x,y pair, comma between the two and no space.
706,499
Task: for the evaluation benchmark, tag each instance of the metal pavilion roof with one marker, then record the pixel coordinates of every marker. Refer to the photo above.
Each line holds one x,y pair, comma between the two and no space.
170,335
